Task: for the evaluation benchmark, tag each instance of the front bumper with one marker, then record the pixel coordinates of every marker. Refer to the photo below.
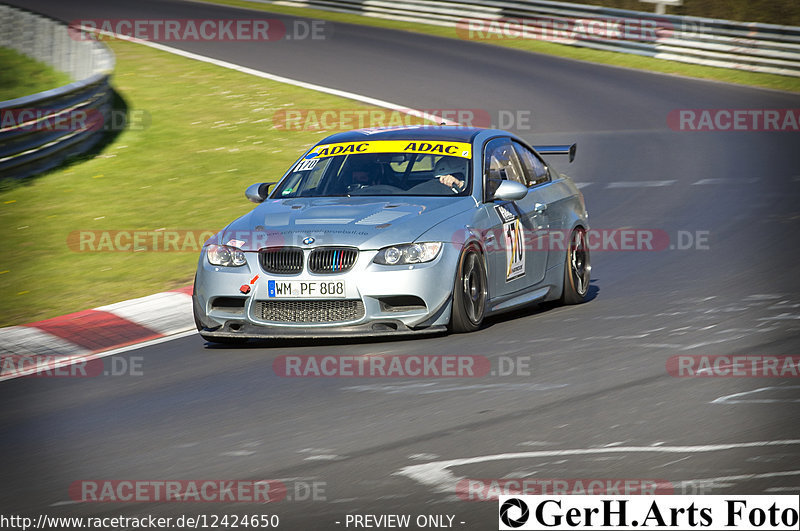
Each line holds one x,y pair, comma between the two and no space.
392,300
378,329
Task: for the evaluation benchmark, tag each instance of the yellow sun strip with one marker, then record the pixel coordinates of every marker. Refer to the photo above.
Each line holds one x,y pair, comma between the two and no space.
455,149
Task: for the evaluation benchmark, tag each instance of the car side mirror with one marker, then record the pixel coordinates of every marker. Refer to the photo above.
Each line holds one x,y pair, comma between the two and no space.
510,191
258,192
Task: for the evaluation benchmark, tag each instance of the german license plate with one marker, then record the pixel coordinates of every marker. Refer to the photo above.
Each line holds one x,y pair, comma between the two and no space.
312,289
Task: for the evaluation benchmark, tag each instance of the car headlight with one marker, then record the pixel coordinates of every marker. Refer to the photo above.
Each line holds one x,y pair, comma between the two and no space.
222,255
410,253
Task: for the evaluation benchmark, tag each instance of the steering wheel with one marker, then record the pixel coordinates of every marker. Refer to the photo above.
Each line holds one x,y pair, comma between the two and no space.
452,188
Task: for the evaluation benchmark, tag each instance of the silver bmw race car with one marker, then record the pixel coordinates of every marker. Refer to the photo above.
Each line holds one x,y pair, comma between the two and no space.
396,230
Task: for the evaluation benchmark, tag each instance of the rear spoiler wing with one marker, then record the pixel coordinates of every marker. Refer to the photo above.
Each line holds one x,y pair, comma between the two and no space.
558,150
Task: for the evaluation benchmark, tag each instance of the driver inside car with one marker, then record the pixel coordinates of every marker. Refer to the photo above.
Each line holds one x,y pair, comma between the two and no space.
364,173
451,172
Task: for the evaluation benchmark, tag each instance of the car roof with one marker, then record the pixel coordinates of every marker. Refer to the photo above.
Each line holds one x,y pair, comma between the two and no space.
448,133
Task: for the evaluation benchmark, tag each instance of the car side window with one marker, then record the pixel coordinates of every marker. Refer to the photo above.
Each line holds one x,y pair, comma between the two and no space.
501,162
535,169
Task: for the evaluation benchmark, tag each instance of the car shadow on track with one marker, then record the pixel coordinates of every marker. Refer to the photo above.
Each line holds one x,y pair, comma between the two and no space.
541,308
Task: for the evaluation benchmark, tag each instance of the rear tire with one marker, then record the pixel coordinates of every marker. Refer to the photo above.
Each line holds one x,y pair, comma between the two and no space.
577,269
469,292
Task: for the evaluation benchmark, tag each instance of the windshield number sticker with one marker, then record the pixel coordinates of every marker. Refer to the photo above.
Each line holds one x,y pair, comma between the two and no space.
305,165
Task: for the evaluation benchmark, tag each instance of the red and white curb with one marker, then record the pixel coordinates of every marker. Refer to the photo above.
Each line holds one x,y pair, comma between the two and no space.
87,334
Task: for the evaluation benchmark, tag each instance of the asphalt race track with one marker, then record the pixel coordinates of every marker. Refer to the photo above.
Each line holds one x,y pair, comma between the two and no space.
596,378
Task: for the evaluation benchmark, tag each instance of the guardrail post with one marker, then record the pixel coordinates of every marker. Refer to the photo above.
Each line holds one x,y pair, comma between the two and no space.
661,5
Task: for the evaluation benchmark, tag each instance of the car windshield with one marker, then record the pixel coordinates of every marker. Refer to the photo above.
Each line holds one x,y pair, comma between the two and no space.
370,174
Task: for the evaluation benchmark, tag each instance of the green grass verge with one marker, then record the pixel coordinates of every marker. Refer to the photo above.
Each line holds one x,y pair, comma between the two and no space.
787,83
211,136
22,76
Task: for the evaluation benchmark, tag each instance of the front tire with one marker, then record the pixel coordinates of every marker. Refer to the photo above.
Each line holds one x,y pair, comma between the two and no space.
469,292
577,269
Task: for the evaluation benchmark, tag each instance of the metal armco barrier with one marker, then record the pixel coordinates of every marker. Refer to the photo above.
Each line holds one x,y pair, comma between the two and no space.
40,131
751,46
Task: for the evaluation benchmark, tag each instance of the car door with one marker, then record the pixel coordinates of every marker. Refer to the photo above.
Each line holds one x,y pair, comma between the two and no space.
550,199
517,256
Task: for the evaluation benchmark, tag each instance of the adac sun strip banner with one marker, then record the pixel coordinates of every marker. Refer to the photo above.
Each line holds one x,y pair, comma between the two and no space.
455,149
